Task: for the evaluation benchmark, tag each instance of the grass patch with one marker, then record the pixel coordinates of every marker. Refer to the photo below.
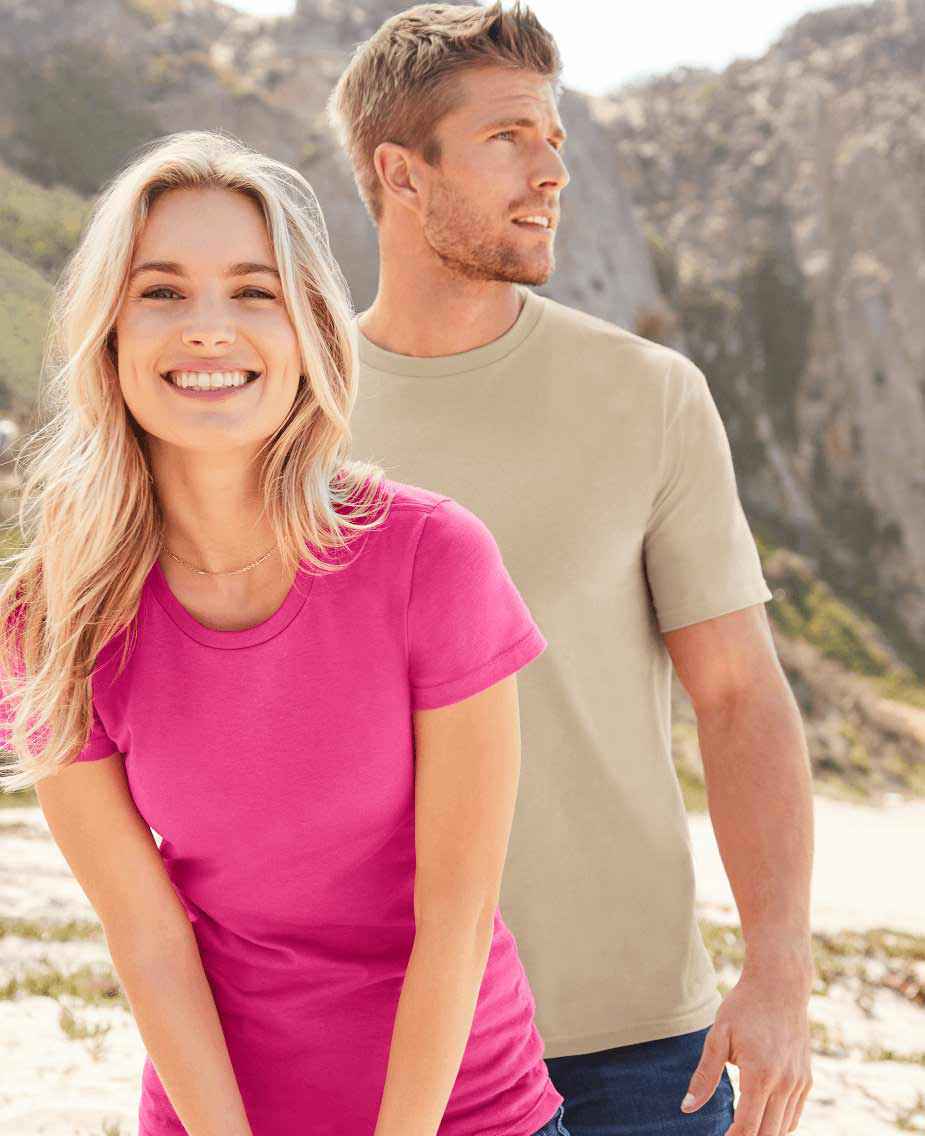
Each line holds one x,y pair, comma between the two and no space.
93,985
867,961
827,1044
806,608
25,299
69,931
77,1030
37,225
22,798
693,789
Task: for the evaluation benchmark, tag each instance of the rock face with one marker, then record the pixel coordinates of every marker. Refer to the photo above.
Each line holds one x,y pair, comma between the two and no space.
766,220
199,64
784,201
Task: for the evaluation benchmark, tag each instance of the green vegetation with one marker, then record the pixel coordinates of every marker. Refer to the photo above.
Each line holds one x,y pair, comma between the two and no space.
77,117
153,12
693,789
867,961
94,985
39,226
71,931
25,298
778,310
78,1030
663,261
22,798
805,607
826,1043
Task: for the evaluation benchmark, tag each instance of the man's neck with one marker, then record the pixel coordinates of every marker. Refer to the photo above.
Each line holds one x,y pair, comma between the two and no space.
448,321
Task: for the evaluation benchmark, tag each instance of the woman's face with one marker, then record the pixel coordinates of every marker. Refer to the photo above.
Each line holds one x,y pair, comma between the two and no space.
206,306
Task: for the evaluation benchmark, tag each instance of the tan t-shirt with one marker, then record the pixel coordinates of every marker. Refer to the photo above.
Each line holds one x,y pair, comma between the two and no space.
600,463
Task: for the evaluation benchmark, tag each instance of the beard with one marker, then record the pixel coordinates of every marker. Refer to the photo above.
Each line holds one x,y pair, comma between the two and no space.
468,242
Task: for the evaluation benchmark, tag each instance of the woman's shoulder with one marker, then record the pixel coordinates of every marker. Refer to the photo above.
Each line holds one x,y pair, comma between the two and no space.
415,498
421,518
419,507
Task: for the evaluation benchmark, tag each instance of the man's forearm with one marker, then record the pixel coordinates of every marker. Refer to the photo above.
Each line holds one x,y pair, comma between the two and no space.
432,1024
759,790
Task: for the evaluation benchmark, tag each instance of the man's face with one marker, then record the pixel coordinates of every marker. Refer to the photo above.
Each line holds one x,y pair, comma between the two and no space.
500,160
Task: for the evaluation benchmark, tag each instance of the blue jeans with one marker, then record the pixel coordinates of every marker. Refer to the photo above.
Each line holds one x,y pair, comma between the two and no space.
636,1090
554,1127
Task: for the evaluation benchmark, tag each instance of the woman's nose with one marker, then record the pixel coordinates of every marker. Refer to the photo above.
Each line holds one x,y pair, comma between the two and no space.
209,330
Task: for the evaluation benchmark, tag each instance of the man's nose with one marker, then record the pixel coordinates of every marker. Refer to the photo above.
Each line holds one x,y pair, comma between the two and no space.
552,174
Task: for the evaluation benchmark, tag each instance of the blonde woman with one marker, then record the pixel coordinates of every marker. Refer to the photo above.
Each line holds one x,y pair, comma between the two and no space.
297,672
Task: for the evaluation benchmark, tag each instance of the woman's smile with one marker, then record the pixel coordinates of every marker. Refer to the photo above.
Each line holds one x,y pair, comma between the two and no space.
210,385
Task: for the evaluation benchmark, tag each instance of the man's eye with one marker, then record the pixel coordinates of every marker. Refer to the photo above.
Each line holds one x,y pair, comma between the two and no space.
508,132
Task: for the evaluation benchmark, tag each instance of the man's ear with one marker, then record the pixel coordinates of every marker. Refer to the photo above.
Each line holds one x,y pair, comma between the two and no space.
396,174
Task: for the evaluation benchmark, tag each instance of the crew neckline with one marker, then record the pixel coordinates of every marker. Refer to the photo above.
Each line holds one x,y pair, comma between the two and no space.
293,603
434,366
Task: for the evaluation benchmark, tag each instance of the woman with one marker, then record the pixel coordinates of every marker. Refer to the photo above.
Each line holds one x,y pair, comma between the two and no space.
299,673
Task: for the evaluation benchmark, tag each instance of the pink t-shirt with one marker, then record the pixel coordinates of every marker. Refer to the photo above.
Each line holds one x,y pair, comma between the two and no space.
277,763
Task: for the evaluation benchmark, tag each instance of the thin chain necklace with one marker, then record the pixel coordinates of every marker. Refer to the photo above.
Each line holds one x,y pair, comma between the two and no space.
230,572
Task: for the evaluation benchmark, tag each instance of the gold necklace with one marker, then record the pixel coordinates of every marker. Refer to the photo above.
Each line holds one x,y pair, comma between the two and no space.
230,572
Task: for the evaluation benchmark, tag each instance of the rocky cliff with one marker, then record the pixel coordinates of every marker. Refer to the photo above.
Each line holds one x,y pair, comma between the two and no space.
768,220
783,199
84,81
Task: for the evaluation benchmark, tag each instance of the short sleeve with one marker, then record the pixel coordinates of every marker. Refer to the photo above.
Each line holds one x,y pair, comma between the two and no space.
700,556
468,625
98,744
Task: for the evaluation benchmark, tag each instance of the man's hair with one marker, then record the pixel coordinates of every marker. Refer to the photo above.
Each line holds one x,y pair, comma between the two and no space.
400,82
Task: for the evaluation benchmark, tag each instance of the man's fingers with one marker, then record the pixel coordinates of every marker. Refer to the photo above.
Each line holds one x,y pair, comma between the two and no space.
797,1100
750,1109
787,1124
705,1077
774,1110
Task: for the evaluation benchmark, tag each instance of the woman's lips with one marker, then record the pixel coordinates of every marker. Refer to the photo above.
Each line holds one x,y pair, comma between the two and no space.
210,394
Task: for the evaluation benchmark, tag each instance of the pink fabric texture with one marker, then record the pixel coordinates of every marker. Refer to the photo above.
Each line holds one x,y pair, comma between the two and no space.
277,764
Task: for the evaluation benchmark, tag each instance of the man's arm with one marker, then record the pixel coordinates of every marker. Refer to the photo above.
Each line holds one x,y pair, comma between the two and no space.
759,791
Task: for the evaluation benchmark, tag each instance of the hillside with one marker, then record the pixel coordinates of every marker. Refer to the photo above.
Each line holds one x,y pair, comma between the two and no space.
782,198
766,219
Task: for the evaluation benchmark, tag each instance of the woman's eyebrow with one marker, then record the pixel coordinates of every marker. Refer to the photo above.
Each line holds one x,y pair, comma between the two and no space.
173,268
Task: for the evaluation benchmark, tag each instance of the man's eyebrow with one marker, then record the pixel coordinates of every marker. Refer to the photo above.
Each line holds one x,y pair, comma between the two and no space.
172,268
557,132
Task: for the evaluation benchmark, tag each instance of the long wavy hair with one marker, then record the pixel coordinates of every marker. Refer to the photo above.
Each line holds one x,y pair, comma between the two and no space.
90,521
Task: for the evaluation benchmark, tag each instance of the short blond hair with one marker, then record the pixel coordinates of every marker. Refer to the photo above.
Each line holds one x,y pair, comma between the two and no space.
399,83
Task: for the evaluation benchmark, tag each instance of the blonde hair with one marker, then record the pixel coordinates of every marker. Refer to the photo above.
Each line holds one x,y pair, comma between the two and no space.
400,83
89,514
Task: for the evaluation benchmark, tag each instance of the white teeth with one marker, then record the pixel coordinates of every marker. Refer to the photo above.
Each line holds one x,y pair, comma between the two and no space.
544,221
208,380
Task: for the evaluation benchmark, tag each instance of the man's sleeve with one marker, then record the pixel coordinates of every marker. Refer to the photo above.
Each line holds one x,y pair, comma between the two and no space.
700,557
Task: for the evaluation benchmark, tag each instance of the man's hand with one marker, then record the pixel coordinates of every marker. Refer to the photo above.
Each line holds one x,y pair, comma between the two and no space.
762,1026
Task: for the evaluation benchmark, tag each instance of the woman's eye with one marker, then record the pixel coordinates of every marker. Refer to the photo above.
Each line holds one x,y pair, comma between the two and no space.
151,294
510,134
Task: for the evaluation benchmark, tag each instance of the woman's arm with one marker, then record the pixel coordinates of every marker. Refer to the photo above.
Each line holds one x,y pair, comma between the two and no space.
467,770
114,857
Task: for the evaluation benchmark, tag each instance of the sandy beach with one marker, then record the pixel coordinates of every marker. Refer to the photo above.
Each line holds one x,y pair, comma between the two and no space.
72,1065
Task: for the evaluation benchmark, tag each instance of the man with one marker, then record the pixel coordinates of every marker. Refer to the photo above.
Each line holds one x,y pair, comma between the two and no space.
599,461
